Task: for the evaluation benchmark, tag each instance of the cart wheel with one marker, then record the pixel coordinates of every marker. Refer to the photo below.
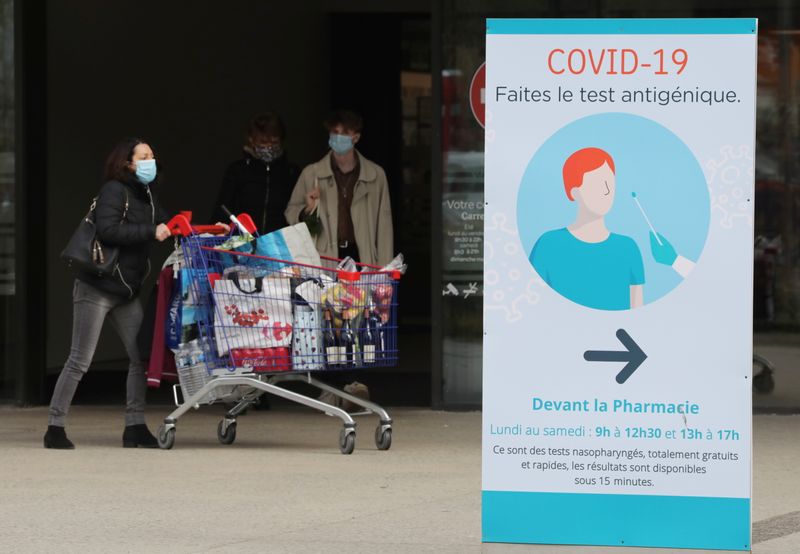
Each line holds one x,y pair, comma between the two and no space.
226,435
383,437
165,437
347,441
764,382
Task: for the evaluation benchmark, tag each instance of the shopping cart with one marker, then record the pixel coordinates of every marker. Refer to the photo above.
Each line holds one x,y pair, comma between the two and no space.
763,374
260,322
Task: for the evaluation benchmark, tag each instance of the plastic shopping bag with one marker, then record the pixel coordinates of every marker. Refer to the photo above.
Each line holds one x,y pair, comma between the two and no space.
381,288
173,328
184,312
252,313
237,243
307,347
292,244
345,300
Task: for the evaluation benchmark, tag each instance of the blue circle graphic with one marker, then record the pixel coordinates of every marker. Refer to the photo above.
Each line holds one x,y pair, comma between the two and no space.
651,163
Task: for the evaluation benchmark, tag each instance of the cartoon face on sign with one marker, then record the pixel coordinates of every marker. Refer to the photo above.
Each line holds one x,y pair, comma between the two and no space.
595,194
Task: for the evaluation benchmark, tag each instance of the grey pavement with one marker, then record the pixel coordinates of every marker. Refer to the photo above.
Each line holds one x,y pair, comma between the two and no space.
284,487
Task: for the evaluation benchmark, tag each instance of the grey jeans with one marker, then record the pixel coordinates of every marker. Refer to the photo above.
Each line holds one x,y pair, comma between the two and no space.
90,308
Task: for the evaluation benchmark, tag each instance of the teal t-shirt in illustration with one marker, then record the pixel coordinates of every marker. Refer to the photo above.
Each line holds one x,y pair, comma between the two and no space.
597,275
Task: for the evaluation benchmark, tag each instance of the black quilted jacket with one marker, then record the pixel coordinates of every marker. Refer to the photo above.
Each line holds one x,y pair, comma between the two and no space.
258,189
133,234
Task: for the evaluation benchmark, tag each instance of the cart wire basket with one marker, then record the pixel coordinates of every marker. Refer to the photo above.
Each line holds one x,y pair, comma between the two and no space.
258,321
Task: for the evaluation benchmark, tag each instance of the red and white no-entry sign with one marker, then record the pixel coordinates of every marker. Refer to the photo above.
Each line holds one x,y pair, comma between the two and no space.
477,95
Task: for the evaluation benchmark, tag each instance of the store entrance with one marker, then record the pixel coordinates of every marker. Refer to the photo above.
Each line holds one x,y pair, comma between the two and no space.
381,68
237,63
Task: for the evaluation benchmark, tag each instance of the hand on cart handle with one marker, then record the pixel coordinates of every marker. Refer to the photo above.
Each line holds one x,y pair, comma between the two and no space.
162,232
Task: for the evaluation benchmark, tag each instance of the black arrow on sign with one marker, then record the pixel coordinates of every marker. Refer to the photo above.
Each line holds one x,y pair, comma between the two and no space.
634,356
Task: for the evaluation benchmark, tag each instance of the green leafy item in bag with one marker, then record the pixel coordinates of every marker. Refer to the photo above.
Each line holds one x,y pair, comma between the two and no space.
313,222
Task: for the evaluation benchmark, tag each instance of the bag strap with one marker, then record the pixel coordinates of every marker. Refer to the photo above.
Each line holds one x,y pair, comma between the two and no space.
93,206
259,281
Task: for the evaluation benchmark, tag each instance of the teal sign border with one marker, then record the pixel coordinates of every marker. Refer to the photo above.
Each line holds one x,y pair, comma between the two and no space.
616,520
621,26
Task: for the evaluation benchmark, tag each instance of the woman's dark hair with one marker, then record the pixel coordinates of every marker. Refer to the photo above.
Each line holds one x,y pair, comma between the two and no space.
116,167
267,124
351,121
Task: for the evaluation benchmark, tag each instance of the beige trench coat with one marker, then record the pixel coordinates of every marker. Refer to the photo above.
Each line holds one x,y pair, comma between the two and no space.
371,210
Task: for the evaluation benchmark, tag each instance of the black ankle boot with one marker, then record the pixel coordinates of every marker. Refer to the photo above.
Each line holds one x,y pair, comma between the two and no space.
56,437
138,435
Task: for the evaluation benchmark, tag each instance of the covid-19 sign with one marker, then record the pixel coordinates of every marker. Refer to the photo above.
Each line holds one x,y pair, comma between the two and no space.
618,279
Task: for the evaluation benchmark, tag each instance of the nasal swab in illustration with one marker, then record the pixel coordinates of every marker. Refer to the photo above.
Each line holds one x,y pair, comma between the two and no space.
647,219
664,253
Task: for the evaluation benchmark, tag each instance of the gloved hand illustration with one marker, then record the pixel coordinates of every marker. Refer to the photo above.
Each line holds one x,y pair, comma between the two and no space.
663,253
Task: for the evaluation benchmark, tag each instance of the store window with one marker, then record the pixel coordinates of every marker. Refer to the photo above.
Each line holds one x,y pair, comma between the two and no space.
463,54
7,186
776,293
776,287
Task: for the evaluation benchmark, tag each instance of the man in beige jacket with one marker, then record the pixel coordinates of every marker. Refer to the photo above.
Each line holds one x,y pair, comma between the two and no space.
345,198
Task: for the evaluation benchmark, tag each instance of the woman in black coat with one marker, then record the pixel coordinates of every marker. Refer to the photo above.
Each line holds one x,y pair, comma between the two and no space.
127,215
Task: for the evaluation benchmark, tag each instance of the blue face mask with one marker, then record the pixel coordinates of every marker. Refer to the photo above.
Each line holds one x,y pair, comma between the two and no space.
146,171
341,144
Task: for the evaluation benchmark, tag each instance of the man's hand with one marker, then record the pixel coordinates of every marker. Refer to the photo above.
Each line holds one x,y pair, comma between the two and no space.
162,232
312,197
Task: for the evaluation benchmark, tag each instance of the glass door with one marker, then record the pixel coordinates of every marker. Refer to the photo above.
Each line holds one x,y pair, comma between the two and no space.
7,190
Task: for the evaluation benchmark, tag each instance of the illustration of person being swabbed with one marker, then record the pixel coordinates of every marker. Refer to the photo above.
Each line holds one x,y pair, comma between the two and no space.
586,262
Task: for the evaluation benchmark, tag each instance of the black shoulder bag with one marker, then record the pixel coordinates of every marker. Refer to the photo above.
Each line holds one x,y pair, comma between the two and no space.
85,252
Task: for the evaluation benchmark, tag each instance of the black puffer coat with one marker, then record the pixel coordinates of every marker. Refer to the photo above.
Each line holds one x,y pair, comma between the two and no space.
258,189
133,235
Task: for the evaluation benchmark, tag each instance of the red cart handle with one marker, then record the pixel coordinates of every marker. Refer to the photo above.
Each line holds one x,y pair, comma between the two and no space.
248,223
181,225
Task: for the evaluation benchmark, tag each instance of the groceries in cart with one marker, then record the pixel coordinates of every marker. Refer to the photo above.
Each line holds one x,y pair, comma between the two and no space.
184,312
307,326
327,319
251,312
268,304
272,251
253,321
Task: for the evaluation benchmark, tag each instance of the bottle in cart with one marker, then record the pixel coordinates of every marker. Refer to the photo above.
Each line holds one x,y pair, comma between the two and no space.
376,325
347,344
332,354
368,340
